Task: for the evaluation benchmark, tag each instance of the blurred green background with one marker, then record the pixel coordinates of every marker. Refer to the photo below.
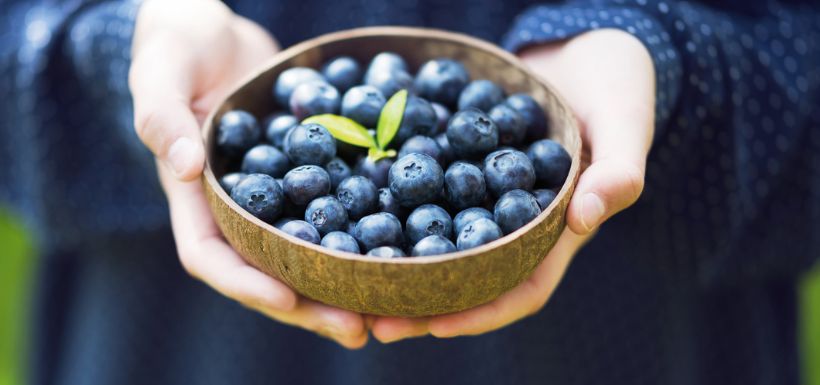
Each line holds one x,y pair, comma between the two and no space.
17,259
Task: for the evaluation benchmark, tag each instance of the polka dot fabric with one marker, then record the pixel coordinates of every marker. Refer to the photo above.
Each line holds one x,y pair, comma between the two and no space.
692,285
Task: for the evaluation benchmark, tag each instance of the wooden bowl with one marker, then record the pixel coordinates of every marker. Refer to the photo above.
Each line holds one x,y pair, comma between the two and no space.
418,286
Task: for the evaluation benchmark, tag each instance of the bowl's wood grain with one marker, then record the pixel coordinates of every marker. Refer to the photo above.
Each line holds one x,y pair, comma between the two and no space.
408,286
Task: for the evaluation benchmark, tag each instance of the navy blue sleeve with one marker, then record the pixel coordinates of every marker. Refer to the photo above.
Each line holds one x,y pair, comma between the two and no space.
733,179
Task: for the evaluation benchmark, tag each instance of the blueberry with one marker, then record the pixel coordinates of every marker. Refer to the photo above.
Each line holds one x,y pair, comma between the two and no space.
551,162
302,230
447,154
534,117
314,98
422,145
291,78
342,72
511,127
464,185
265,159
229,180
389,204
358,195
471,133
380,229
306,183
238,131
442,117
363,104
376,171
544,197
433,245
466,216
477,233
338,171
310,144
428,220
351,227
506,170
326,214
415,179
387,252
260,195
419,119
481,94
282,221
389,61
388,82
515,209
441,80
277,127
338,240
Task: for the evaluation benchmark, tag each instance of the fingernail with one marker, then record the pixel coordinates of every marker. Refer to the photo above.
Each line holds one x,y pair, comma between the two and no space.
592,209
179,155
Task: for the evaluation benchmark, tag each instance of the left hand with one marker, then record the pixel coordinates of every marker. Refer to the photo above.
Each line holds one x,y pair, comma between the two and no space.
608,79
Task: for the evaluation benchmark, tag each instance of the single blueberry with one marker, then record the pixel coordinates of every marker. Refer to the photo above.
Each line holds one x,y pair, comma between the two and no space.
277,128
291,78
511,127
389,61
351,227
338,240
441,81
422,145
363,104
442,117
310,144
433,245
544,197
260,195
551,163
282,221
265,159
506,170
428,220
415,179
380,229
466,216
534,117
302,230
419,119
314,98
306,183
477,233
326,214
238,131
338,171
388,82
471,133
514,209
229,180
464,185
387,252
342,72
481,94
389,204
447,154
376,171
358,195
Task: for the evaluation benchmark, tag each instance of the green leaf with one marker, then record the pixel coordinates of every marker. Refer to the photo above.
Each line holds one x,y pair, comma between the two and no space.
344,129
375,154
390,118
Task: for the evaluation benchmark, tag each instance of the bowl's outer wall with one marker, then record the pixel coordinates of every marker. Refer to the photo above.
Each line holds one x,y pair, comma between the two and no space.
405,287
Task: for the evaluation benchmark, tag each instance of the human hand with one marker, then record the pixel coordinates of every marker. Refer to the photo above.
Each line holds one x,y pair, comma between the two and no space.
608,79
186,56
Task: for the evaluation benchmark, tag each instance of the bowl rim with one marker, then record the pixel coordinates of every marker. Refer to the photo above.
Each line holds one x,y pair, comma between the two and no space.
416,32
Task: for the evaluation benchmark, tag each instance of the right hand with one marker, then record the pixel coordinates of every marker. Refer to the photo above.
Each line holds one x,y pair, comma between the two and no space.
186,56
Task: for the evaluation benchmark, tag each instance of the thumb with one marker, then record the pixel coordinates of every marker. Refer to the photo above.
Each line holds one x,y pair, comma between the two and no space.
615,177
160,79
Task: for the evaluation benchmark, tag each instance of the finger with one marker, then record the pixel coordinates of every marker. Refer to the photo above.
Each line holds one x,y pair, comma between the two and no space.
205,255
524,300
392,329
343,326
160,79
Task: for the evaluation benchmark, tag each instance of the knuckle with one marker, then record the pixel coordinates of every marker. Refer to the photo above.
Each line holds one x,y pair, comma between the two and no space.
633,180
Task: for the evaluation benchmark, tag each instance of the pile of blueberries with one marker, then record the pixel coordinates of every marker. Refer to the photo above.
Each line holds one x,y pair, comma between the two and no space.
460,179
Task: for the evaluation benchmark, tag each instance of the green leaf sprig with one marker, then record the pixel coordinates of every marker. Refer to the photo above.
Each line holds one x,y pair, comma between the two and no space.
351,132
